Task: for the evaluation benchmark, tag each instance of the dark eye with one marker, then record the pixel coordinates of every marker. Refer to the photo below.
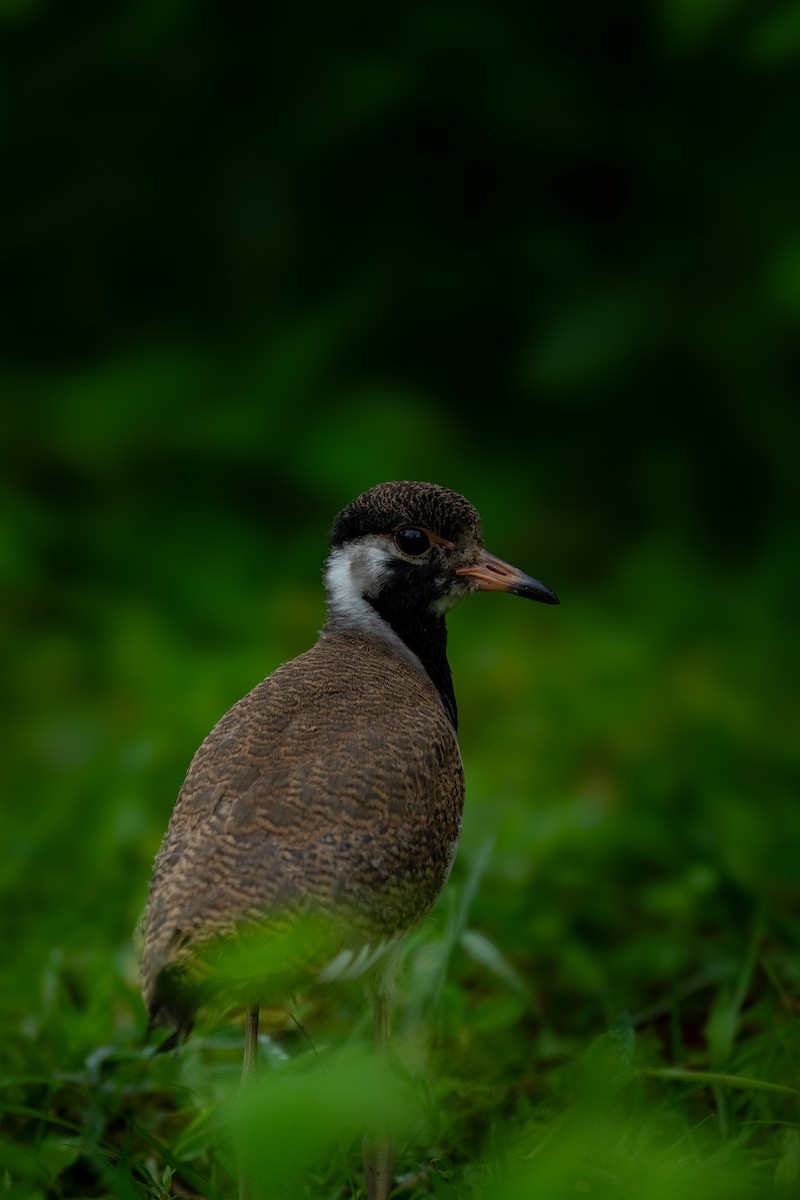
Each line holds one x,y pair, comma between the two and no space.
412,541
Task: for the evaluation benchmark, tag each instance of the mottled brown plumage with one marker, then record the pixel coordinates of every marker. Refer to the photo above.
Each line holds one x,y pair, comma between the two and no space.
335,786
334,789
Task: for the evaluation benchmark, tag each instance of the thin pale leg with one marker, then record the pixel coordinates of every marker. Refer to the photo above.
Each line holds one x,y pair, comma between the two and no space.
379,1146
248,1073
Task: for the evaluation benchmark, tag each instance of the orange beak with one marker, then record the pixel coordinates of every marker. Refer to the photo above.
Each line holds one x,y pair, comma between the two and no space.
494,575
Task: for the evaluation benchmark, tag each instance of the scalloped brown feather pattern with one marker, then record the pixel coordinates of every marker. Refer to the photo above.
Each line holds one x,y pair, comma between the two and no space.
334,788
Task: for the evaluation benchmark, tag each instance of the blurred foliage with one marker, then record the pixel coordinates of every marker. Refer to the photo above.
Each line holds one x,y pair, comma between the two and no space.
257,260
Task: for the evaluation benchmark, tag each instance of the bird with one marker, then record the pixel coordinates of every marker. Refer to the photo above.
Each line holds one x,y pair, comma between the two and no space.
329,799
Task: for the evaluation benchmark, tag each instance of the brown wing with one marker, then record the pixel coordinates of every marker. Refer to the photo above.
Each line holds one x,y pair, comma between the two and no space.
335,786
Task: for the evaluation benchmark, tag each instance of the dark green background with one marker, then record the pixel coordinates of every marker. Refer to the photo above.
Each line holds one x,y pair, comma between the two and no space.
546,255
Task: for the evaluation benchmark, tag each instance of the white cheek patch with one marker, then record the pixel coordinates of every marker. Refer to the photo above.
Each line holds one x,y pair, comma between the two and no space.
352,573
370,566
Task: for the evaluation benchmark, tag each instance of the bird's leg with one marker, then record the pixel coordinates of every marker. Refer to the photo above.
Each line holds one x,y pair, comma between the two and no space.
379,1146
248,1073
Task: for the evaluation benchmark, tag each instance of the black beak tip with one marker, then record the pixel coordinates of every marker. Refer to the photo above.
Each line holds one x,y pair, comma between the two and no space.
532,589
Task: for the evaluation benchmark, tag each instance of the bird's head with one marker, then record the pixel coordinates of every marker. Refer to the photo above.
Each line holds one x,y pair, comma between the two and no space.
415,548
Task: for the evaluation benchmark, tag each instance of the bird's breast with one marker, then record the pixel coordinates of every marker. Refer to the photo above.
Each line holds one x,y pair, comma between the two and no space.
333,789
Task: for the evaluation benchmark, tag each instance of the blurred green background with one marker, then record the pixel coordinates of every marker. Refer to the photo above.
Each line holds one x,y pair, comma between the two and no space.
258,260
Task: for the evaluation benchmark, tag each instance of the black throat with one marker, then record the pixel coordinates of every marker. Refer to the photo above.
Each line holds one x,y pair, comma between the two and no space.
425,636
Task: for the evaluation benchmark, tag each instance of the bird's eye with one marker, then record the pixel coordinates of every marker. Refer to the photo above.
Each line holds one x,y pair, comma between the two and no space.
412,541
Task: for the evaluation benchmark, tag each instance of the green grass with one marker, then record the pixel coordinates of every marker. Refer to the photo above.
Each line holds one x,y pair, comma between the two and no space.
253,271
605,1001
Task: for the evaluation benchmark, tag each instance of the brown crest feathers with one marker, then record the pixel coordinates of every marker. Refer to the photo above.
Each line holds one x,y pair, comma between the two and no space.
384,507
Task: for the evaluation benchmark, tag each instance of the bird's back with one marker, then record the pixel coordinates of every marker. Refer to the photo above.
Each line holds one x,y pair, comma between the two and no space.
333,788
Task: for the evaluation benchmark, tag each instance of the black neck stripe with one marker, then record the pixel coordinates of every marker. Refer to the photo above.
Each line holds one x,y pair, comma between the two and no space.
426,636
